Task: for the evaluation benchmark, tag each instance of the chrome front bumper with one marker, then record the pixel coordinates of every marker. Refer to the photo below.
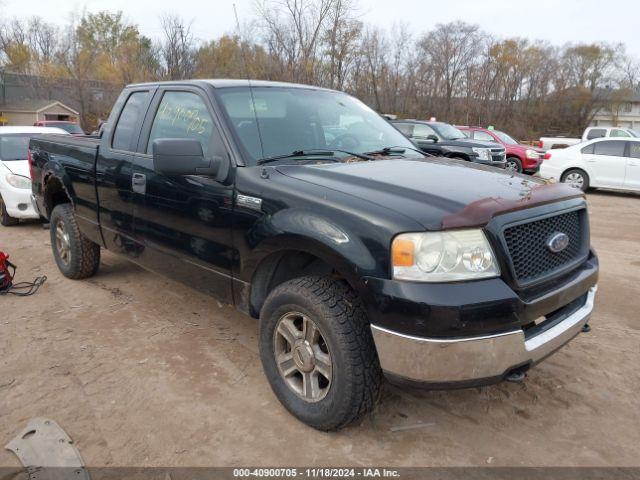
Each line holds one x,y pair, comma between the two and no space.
469,360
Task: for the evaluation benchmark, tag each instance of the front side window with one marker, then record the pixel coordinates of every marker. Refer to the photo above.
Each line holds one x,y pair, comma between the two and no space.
182,115
127,128
596,133
405,128
270,121
610,148
421,130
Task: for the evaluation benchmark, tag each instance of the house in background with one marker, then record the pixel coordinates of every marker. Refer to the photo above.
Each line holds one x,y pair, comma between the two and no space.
27,112
621,109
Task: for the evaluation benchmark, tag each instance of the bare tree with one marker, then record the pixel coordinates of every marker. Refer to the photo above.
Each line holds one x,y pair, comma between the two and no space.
177,48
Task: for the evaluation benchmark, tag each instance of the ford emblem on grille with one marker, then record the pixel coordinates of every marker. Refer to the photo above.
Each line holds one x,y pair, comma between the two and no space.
557,242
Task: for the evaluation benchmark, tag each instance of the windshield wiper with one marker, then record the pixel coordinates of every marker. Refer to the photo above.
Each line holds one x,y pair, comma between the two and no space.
396,151
328,154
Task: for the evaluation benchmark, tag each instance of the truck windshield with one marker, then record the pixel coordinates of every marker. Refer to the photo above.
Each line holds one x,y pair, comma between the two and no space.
14,146
271,121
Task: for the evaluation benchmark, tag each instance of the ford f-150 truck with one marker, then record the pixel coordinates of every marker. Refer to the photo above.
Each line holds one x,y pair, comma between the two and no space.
361,256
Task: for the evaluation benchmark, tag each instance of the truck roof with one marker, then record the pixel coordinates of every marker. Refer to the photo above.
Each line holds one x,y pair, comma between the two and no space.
229,82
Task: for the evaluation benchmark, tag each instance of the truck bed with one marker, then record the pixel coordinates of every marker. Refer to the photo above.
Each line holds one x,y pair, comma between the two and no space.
72,160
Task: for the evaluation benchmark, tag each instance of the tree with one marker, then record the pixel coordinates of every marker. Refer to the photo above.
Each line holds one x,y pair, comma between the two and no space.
177,48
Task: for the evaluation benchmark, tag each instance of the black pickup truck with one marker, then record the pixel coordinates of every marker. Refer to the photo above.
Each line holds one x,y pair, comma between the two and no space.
304,208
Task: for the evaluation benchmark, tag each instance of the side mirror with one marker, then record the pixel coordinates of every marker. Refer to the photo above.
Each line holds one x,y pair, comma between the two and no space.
433,138
182,156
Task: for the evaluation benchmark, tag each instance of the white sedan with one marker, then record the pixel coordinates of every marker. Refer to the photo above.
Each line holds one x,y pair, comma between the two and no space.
15,180
600,163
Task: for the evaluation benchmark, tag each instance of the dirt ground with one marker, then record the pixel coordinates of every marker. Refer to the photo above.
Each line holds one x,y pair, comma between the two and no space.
141,371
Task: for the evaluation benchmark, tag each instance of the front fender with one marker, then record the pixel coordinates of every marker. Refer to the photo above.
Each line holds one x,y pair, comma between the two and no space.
306,231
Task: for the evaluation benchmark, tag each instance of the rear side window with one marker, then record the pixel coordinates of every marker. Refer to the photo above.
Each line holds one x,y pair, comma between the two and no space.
127,129
596,133
182,115
610,148
634,149
588,149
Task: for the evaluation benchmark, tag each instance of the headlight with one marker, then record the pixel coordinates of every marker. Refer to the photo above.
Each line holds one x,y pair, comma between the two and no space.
18,181
532,154
443,256
483,153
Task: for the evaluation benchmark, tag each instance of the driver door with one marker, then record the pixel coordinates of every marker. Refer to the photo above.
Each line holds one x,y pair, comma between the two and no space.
184,222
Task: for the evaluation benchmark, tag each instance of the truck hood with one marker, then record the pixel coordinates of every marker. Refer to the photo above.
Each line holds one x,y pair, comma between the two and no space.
471,142
17,167
437,193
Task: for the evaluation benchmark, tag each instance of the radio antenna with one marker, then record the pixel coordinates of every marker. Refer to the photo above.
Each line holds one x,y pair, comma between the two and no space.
246,69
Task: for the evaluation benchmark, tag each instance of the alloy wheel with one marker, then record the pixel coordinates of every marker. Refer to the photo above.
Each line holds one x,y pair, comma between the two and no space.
302,356
575,180
63,243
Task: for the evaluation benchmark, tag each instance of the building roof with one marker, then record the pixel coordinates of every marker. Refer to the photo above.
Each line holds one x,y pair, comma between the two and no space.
33,106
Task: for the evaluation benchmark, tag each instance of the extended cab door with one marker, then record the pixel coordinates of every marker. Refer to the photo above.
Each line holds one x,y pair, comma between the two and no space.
607,164
184,222
632,177
114,169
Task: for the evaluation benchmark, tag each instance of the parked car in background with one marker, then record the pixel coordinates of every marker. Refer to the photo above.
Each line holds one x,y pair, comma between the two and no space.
70,127
547,143
444,140
603,162
15,179
520,158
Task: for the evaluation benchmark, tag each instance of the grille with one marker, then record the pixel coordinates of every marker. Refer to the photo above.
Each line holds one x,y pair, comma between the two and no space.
527,245
497,154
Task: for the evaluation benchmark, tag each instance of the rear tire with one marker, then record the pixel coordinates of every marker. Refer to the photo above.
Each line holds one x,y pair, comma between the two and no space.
77,257
327,378
5,219
577,178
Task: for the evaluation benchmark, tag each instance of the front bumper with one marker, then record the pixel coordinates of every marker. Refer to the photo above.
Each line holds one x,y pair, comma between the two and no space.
476,360
17,201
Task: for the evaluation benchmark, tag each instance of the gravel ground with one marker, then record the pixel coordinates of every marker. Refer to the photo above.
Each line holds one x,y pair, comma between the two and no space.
141,371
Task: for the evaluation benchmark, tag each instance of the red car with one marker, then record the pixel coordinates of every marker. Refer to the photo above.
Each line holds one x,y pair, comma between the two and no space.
520,158
71,127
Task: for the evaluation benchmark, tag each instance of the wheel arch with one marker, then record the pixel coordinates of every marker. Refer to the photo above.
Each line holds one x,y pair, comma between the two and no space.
284,257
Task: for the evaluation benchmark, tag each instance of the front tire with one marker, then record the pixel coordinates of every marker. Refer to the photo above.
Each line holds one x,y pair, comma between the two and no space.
318,353
77,257
576,178
514,165
5,219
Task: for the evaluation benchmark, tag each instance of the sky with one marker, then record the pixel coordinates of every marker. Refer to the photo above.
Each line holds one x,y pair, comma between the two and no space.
558,21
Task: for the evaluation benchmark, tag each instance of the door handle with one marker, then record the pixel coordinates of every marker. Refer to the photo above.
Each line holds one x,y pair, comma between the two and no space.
139,183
